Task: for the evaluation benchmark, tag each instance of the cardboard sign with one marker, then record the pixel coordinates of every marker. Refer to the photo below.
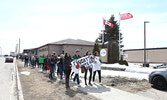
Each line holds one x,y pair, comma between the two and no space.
84,61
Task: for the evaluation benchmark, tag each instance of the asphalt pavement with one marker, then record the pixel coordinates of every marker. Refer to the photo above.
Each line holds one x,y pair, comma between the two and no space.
7,83
109,93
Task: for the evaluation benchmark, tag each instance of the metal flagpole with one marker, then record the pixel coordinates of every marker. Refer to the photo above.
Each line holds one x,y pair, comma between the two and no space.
119,40
103,32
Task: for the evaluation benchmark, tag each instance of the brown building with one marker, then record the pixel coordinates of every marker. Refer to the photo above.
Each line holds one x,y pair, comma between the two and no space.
63,46
153,55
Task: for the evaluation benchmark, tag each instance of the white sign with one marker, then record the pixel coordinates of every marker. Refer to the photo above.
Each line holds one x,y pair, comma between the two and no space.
103,52
84,61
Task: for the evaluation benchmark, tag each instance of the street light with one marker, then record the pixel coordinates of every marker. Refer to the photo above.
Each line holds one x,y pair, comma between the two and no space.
145,43
0,51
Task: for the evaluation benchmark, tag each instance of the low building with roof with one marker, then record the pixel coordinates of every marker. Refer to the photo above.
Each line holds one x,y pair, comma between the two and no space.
153,55
63,46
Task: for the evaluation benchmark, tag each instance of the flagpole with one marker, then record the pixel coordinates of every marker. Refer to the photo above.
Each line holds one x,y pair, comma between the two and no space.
103,32
119,39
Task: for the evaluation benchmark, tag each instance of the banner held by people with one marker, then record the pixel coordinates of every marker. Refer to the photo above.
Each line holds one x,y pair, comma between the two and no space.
84,61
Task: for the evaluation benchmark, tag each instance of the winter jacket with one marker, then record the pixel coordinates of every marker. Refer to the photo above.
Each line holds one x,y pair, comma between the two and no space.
76,57
61,61
67,63
55,59
51,61
41,60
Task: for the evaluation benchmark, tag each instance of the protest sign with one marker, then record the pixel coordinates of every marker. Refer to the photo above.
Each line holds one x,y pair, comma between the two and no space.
84,61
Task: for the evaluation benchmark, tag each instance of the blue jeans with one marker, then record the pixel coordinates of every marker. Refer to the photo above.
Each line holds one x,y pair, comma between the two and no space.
26,63
61,69
55,67
76,77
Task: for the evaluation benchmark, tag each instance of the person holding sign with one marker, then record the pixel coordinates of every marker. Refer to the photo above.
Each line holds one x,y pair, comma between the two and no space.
86,68
76,68
97,67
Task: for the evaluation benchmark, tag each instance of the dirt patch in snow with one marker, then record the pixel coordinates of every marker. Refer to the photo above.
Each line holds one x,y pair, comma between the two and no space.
126,84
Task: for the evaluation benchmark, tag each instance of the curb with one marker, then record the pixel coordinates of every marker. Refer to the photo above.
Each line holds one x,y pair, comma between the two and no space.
19,92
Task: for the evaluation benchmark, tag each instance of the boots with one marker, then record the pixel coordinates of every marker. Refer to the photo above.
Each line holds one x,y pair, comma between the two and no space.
67,83
61,77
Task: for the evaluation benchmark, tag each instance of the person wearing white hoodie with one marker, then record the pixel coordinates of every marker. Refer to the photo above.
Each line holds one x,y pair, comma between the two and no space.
97,67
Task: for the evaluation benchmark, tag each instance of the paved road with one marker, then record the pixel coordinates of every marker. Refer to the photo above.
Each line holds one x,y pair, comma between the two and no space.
7,84
154,94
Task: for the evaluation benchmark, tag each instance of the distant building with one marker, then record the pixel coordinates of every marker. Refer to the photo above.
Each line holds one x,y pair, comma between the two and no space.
12,54
30,51
63,46
153,55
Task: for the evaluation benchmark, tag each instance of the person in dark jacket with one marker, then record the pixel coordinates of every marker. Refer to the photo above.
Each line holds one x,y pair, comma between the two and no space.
60,63
86,68
26,61
45,64
37,61
67,68
55,59
51,64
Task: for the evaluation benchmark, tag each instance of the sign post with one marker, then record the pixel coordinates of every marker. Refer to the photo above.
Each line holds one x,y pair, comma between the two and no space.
104,55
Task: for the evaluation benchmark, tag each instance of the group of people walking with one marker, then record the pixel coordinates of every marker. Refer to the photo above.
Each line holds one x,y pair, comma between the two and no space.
64,67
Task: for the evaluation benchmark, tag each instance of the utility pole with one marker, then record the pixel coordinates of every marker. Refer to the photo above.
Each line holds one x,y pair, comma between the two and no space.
19,45
0,51
145,43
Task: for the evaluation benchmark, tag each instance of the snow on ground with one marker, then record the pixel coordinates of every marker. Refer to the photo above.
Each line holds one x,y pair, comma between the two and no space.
135,68
111,73
132,71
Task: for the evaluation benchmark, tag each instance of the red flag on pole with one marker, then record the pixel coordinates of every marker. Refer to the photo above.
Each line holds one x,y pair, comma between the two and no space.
108,23
126,16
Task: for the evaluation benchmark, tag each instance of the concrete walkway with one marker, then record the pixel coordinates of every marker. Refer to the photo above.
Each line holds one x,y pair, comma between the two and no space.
109,93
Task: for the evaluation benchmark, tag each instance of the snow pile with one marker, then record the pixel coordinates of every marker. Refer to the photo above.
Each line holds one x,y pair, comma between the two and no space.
25,73
139,70
138,76
114,66
135,68
132,71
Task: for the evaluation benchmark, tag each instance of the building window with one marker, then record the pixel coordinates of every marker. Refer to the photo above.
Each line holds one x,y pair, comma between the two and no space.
43,49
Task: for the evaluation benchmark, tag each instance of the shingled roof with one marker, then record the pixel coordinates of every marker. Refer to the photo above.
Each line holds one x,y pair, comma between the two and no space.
73,42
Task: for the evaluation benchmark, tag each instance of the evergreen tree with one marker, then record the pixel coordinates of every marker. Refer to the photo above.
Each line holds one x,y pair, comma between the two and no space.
111,35
96,48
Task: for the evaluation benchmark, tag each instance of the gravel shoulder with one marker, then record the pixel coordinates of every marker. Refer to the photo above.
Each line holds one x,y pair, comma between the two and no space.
37,86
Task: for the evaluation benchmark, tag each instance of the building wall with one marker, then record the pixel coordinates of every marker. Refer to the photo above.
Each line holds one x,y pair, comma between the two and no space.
152,56
50,49
42,51
71,49
55,48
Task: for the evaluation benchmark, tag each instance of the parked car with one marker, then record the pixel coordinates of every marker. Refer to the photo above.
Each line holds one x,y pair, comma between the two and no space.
160,66
159,79
8,59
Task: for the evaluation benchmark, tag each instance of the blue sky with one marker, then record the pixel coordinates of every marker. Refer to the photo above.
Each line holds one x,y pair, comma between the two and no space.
38,22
